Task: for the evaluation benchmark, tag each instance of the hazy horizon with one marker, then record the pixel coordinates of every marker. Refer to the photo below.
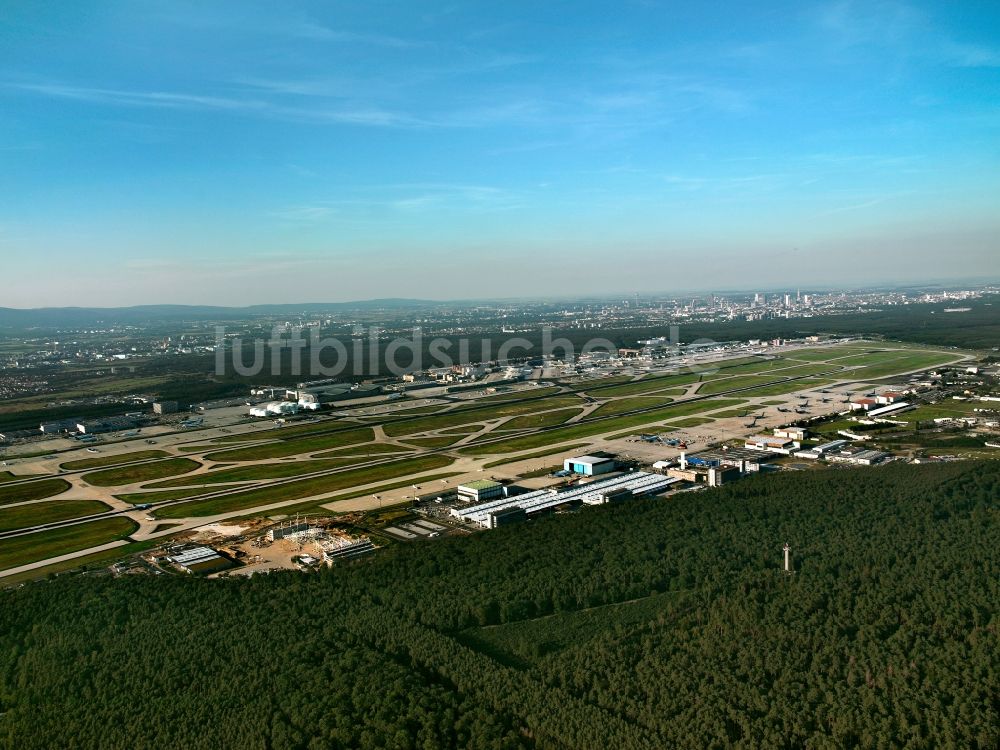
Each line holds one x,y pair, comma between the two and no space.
610,296
247,154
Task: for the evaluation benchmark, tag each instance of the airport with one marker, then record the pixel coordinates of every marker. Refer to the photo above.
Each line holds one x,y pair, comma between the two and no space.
474,455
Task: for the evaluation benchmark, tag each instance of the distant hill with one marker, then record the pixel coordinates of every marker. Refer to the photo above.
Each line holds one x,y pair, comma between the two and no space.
74,316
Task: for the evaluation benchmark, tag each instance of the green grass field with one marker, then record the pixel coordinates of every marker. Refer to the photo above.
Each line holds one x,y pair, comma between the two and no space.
869,357
362,450
725,380
281,470
587,429
826,353
949,409
657,384
629,403
462,430
32,490
770,367
93,561
478,410
718,386
284,433
688,422
303,488
583,385
141,472
809,369
776,366
530,456
422,409
899,364
745,411
400,413
791,386
121,458
479,414
22,550
34,514
294,446
440,441
725,376
7,476
138,498
831,427
498,398
316,506
543,419
757,366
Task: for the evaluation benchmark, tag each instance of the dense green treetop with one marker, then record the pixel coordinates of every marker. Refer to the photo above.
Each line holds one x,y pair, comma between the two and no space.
657,623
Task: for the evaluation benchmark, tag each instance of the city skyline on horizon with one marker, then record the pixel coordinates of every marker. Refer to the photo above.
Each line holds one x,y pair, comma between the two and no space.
241,154
768,293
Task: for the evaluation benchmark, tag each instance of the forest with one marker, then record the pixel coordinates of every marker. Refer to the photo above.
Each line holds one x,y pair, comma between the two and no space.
652,624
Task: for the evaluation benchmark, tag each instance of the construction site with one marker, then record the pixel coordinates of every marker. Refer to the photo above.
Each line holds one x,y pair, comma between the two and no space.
260,546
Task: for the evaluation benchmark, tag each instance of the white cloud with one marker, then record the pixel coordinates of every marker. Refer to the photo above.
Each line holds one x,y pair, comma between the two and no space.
348,114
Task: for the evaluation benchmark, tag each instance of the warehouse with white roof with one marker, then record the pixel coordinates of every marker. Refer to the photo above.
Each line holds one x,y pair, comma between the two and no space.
589,465
494,512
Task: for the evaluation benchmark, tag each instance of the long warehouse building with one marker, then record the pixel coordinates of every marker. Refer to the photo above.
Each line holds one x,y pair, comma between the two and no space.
593,493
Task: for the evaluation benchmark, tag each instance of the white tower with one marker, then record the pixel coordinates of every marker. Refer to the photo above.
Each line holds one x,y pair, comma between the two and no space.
788,558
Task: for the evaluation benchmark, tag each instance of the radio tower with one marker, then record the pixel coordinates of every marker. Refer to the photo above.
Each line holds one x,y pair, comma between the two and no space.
788,558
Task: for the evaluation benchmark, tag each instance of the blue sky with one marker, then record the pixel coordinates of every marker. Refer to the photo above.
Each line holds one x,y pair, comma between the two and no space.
236,153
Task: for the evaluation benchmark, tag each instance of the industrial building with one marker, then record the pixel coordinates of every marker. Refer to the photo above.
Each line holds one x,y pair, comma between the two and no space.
270,392
821,450
345,548
274,409
320,393
889,397
507,509
748,461
505,516
165,407
62,425
10,436
309,402
890,409
323,395
792,433
771,443
713,476
106,424
479,490
857,456
705,468
199,560
590,465
286,531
